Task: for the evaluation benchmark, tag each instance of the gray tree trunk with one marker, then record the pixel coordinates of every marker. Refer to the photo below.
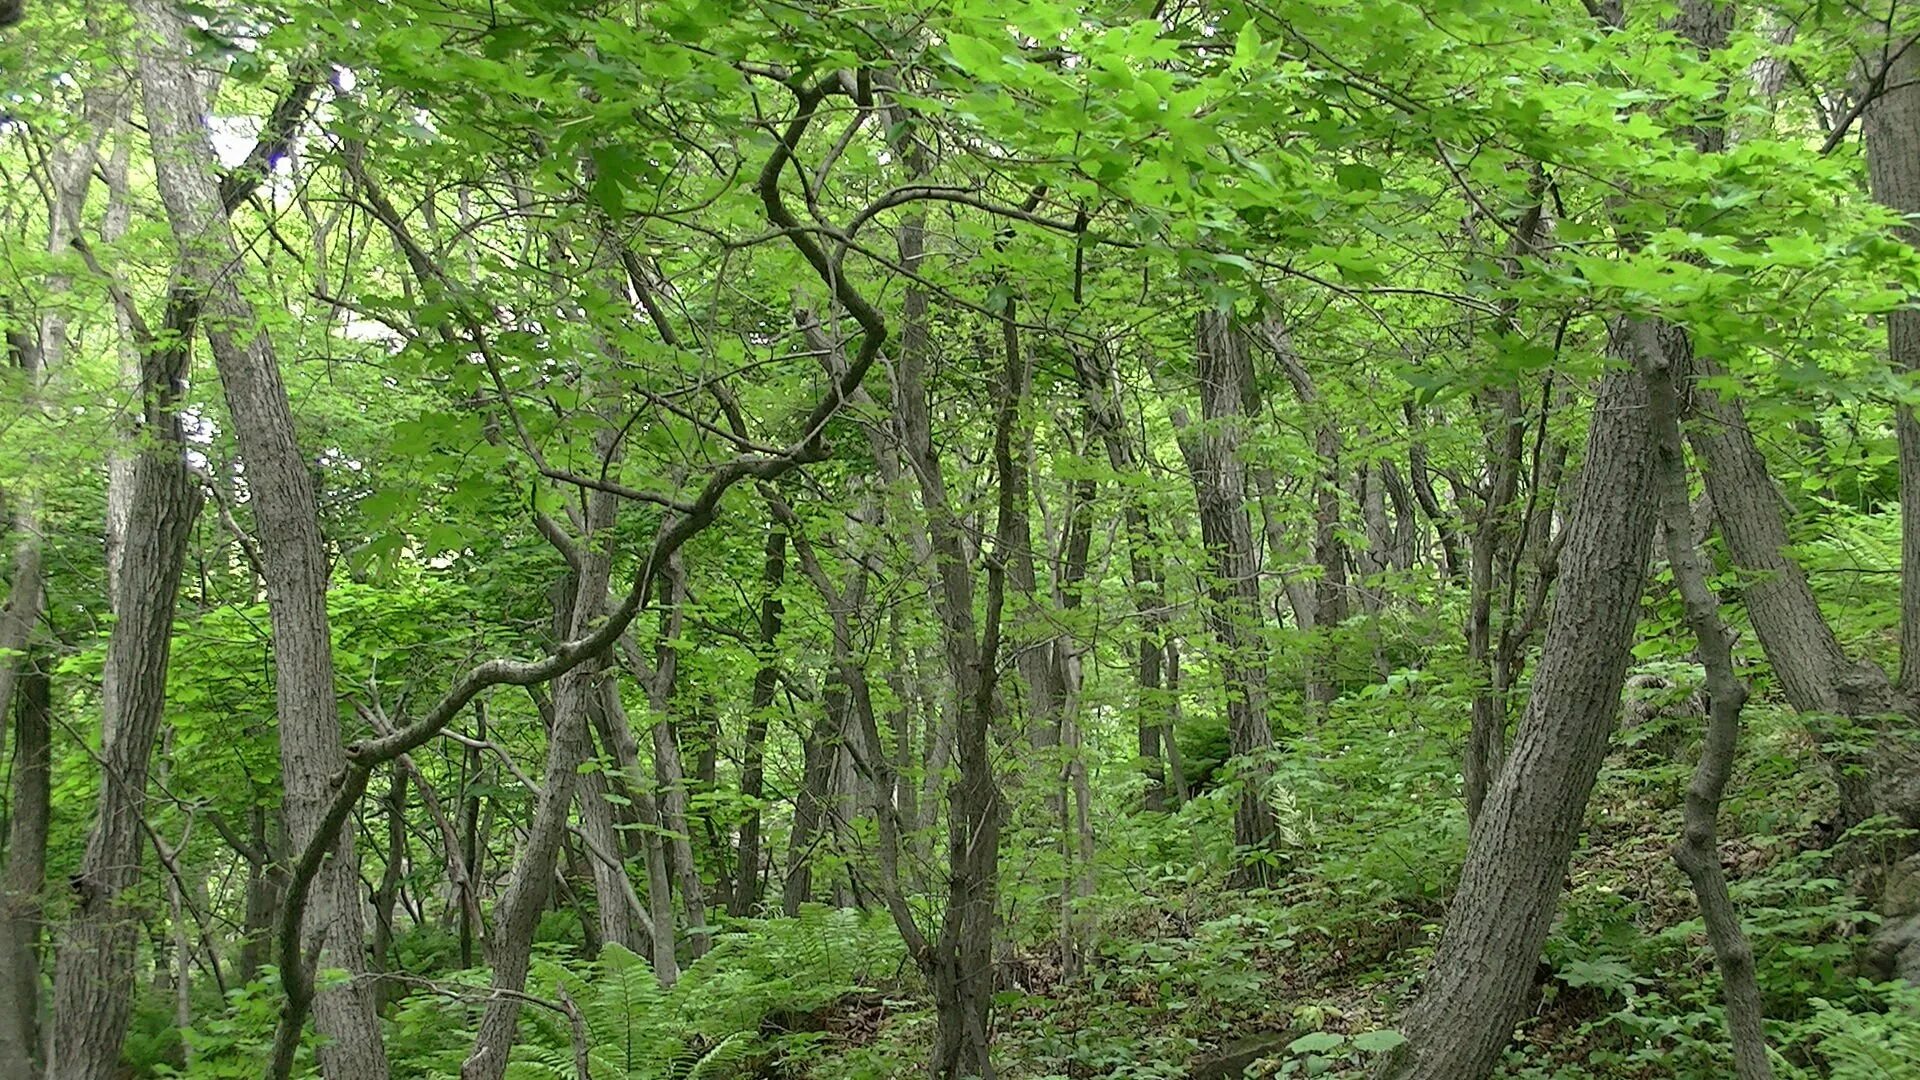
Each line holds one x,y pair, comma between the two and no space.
1698,851
568,746
747,883
1233,572
24,879
286,515
1476,988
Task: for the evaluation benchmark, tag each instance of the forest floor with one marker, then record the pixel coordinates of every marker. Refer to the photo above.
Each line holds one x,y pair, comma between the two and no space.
1194,980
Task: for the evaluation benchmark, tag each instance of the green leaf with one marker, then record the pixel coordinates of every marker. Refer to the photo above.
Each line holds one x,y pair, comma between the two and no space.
1374,1042
1316,1042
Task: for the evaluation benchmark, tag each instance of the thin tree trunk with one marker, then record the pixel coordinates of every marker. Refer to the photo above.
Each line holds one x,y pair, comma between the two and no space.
669,773
1505,428
1100,389
1698,851
1176,767
753,756
387,894
568,746
470,845
616,737
1330,602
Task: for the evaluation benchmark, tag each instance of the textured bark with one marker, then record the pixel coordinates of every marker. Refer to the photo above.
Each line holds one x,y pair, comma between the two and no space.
24,880
619,922
266,883
1813,671
286,516
1482,971
1232,607
1892,136
92,988
1891,781
94,971
1806,658
1698,851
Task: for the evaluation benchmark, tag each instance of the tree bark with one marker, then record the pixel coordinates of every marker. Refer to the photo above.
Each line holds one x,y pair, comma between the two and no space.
1330,601
1106,419
24,879
568,746
616,739
1233,586
1477,986
386,895
286,515
669,773
753,758
1698,851
94,970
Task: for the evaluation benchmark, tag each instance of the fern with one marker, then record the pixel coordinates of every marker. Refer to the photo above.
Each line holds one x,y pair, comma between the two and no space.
708,1026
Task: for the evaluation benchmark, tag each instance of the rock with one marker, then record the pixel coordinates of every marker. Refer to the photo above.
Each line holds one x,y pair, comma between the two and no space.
1901,894
1896,949
1231,1061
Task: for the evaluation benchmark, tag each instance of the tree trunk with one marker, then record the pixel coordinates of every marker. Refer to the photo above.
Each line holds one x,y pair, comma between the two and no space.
1892,772
1106,418
1698,851
24,878
94,977
471,847
809,803
286,515
616,738
568,747
386,895
753,758
1330,602
669,773
266,884
1482,972
1233,586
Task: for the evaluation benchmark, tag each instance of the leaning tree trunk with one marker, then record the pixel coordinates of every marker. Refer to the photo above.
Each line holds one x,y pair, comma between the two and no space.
1483,970
293,553
568,746
94,972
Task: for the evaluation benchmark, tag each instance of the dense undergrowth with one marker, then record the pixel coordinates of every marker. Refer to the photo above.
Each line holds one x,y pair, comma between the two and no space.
1183,976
